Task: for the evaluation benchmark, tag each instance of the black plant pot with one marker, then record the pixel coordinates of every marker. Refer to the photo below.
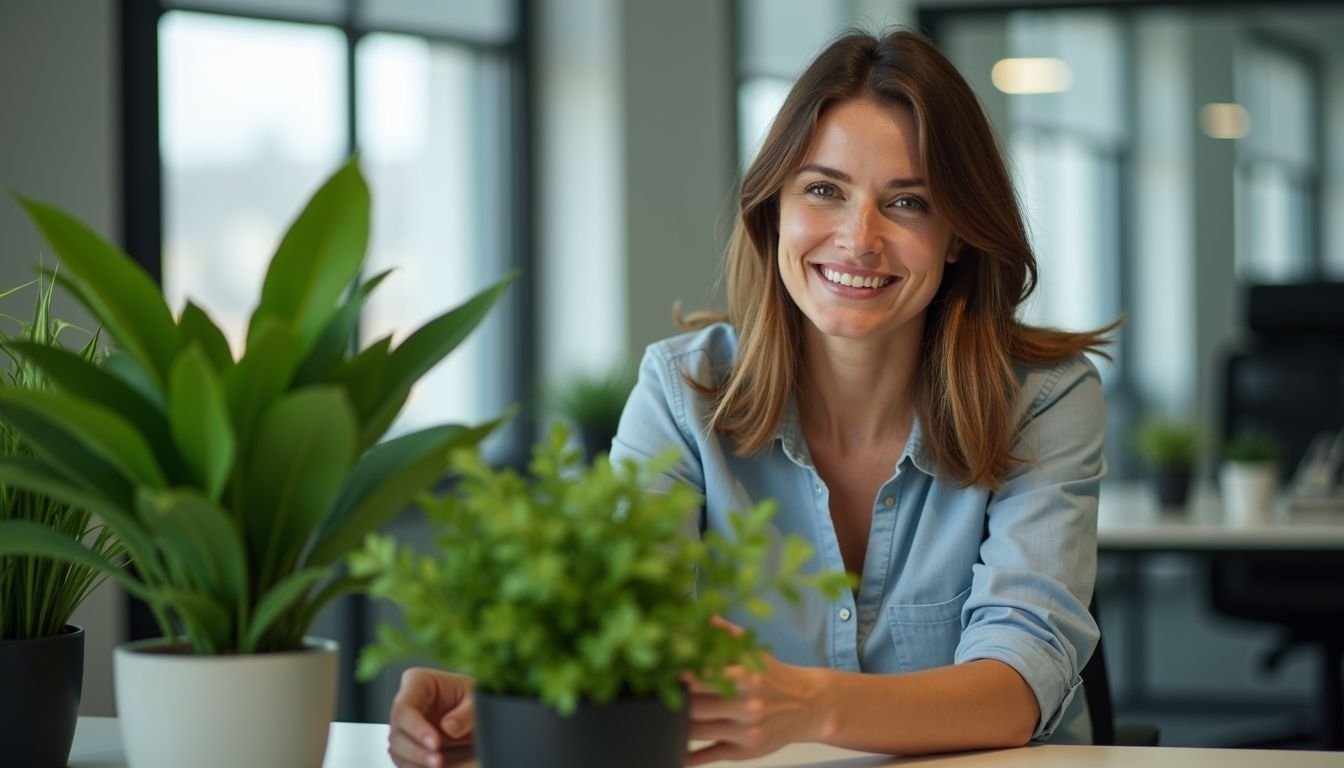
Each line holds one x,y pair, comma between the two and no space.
520,732
39,698
1173,485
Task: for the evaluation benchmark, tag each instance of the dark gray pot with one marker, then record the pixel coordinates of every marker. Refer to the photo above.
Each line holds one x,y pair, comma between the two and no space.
1173,485
39,699
520,732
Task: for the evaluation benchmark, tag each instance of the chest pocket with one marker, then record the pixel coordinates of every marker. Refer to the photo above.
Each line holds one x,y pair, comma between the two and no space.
926,636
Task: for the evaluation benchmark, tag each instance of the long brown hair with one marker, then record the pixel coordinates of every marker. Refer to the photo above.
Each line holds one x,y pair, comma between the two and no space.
967,386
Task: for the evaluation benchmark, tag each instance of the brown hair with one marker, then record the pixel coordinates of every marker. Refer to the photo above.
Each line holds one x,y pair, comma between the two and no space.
967,386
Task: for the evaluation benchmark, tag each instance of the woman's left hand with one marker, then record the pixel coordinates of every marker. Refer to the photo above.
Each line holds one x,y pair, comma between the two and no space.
775,707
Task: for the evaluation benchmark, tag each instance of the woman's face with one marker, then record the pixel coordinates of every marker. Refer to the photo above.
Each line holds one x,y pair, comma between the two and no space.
860,250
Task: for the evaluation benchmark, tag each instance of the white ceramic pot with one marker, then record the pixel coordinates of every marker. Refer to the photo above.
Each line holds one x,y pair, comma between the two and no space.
268,710
1247,490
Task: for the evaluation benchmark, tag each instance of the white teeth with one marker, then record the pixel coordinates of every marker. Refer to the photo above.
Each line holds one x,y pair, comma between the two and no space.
854,281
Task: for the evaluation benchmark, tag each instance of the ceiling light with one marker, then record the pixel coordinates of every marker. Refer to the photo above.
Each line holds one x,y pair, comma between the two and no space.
1225,121
1032,75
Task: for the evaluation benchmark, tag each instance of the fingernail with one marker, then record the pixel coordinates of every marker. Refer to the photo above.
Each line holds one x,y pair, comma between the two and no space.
452,727
428,739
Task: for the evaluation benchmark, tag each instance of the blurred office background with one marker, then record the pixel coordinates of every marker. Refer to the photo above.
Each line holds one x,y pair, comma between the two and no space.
1184,151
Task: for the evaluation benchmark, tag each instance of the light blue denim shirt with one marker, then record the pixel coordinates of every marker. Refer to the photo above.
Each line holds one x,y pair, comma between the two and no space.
951,574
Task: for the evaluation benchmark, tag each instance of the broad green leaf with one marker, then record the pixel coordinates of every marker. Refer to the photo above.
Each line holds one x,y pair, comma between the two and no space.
75,374
197,327
362,376
277,601
304,448
318,258
103,432
208,624
203,535
433,341
200,420
65,451
128,303
338,335
20,537
129,371
386,480
34,476
261,376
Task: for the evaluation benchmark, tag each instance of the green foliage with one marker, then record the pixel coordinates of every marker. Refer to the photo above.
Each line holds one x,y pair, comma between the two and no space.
579,584
235,486
595,400
38,594
1249,447
1167,444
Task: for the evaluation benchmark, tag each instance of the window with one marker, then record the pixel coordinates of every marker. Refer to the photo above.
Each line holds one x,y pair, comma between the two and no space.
258,103
1277,165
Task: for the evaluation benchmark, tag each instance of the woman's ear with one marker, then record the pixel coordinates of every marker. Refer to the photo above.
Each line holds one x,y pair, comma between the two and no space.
954,250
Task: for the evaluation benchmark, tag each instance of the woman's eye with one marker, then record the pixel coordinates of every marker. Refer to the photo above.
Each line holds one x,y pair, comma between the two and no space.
913,203
822,189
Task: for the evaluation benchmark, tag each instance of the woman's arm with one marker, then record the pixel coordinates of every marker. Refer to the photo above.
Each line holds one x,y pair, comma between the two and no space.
981,704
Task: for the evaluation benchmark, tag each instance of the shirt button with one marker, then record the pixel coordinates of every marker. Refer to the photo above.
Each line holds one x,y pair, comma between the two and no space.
889,501
844,614
818,487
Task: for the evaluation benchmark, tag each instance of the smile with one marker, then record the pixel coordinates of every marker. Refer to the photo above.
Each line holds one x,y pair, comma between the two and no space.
854,281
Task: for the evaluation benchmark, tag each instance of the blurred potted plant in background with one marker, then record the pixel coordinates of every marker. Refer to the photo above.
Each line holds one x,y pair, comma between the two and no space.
237,487
1249,477
1170,449
578,601
592,403
41,653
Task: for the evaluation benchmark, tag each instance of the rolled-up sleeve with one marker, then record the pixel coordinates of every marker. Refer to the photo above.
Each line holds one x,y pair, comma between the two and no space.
654,420
1030,591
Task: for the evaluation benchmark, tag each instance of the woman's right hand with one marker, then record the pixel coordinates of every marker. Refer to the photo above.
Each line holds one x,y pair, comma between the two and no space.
432,710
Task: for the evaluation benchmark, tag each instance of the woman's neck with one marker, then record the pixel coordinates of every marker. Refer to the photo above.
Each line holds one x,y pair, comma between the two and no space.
859,393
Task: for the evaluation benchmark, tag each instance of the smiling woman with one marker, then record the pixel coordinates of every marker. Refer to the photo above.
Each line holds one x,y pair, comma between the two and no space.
871,375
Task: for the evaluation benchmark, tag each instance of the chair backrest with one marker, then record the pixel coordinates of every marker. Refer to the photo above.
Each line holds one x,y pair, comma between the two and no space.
1097,689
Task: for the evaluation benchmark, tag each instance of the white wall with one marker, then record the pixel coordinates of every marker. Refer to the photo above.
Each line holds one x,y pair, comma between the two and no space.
58,142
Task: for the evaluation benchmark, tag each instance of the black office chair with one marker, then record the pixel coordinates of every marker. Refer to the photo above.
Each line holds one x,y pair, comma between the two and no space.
1286,378
1101,708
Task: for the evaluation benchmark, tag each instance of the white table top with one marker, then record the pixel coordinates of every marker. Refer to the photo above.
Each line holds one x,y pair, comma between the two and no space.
360,745
1129,518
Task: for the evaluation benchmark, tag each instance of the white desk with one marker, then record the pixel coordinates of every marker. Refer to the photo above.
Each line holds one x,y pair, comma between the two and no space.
358,745
1129,519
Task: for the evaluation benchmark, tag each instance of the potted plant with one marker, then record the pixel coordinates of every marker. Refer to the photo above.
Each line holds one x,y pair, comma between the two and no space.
579,603
237,487
41,653
592,403
1248,477
1170,450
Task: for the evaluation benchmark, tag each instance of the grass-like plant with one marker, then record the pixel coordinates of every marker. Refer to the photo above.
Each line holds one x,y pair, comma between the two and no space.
1251,447
595,400
236,486
578,583
38,595
1167,444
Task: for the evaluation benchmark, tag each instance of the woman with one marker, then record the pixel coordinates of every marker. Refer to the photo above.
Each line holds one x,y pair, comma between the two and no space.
870,375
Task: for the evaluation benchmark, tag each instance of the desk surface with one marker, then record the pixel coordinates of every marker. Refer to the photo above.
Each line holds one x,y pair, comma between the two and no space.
1130,519
359,745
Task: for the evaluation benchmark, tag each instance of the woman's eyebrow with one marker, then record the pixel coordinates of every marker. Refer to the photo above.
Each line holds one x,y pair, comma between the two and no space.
839,175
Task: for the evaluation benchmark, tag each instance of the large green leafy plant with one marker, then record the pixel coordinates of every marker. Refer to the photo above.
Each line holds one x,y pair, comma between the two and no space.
38,595
235,486
578,583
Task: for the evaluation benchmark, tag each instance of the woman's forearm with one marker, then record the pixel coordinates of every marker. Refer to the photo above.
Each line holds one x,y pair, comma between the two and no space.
977,705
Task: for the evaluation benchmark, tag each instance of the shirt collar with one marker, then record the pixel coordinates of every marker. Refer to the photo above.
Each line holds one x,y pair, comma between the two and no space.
790,435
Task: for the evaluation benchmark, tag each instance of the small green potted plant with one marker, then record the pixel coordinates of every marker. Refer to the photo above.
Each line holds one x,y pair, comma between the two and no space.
579,602
1170,449
1249,477
592,403
41,653
237,487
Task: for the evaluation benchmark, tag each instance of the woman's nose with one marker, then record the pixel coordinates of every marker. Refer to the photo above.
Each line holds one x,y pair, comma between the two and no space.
858,233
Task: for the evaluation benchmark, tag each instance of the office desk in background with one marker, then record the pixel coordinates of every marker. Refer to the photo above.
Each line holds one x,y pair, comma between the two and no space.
361,745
